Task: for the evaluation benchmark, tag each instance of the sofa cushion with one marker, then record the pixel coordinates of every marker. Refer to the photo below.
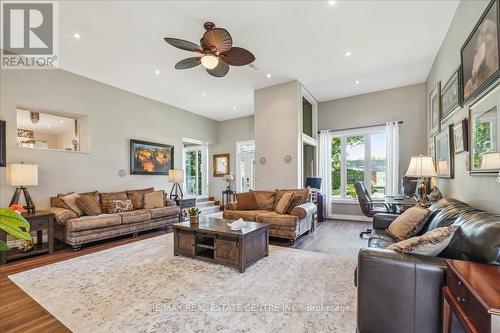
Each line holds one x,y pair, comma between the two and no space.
246,201
248,215
62,215
94,195
380,239
409,223
164,211
70,201
88,205
111,196
139,215
278,219
265,200
284,202
93,222
296,200
431,243
118,206
154,199
137,196
302,192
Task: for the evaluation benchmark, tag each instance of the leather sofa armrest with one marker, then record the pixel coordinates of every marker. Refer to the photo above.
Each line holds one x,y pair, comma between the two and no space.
62,215
304,210
170,202
382,220
399,292
231,206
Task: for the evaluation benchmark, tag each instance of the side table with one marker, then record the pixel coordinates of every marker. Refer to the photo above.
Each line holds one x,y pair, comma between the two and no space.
185,203
471,297
227,197
39,220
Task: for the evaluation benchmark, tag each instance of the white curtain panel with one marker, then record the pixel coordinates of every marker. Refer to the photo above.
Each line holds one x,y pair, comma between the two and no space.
325,170
392,158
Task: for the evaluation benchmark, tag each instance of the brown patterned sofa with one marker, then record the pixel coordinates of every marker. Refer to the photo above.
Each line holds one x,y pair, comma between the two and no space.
77,230
296,221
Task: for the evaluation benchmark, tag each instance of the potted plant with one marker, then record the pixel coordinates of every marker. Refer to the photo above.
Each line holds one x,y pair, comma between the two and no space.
194,215
14,224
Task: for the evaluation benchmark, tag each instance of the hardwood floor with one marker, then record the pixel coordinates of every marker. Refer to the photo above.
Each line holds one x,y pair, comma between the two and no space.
20,313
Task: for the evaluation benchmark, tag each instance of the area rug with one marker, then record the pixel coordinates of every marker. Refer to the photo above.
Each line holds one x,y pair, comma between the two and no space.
142,287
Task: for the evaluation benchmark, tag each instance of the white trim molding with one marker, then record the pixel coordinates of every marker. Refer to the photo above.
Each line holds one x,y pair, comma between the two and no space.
360,218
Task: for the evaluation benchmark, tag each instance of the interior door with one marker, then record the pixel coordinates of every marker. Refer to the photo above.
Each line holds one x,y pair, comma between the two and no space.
246,180
195,170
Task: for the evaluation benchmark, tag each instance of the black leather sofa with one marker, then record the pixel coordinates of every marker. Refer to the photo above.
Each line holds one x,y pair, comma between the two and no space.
399,293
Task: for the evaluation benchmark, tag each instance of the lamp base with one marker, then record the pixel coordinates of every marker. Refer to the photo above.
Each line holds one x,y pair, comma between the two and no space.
30,205
422,193
177,188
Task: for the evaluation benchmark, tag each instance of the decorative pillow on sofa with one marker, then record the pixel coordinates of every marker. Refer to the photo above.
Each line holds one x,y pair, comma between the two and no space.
70,201
118,206
154,200
431,243
88,205
94,195
104,197
137,196
302,192
297,200
409,223
265,199
246,201
284,202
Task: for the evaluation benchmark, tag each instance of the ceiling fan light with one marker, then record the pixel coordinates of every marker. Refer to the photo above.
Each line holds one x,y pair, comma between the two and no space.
209,61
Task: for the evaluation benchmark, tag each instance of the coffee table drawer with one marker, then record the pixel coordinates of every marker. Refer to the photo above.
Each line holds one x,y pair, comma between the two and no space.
227,250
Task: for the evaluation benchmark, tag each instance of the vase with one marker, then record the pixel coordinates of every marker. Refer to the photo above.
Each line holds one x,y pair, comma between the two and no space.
194,219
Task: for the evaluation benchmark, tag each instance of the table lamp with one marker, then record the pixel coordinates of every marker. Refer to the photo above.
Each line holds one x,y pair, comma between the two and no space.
22,175
176,176
228,178
421,167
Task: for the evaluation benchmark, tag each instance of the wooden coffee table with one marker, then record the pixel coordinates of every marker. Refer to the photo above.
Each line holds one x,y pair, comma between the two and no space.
212,240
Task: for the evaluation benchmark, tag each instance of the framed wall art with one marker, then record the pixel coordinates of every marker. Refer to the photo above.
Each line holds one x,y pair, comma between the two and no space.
444,153
485,146
461,136
221,165
451,95
435,110
480,54
149,158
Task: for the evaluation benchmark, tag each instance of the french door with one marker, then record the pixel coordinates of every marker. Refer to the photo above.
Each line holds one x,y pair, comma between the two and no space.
196,170
245,166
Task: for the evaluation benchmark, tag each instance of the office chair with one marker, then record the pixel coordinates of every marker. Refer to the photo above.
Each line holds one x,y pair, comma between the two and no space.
367,205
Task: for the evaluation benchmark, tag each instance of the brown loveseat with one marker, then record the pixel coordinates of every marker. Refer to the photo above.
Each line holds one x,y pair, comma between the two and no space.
260,206
77,230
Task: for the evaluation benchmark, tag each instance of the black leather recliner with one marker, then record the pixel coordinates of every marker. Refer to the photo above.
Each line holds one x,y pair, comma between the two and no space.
367,205
400,292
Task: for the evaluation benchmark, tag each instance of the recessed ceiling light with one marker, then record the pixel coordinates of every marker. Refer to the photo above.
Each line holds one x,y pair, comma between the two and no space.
357,82
60,121
331,2
76,35
348,53
157,72
48,126
204,94
234,108
268,75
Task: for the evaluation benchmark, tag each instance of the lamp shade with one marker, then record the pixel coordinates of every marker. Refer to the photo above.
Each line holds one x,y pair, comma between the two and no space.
176,175
228,176
490,161
421,166
22,174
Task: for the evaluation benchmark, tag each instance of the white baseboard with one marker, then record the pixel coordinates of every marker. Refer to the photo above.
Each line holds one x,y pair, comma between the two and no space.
351,217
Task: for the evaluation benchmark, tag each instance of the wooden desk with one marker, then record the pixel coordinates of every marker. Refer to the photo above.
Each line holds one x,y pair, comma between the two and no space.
39,221
472,294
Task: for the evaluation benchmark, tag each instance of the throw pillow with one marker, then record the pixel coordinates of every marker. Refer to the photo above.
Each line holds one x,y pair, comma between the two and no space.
429,244
111,196
246,201
154,200
297,200
409,223
137,196
88,205
70,201
284,202
119,206
95,196
265,199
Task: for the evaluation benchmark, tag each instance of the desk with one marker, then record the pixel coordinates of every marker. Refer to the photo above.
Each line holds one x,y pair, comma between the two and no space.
398,205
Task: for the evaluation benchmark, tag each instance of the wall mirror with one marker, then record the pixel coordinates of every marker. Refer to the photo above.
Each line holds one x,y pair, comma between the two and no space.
42,130
485,148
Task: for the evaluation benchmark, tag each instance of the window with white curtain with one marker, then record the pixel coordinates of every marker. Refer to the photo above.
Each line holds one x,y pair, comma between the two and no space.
358,155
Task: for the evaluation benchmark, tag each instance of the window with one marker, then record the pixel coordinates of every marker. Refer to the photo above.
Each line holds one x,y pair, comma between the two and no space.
358,156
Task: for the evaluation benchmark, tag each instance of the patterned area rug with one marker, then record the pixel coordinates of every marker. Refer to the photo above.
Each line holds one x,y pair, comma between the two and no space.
142,287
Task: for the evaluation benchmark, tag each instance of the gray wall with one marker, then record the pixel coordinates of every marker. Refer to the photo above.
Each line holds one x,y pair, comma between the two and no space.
479,191
115,117
404,103
230,132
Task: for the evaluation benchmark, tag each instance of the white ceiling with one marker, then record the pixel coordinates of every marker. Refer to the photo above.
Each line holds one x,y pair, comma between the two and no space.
393,43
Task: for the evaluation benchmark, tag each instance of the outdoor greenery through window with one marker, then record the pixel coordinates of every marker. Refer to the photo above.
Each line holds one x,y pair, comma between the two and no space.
358,157
193,164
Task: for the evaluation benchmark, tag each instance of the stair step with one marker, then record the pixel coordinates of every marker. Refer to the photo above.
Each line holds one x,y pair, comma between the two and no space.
205,203
209,210
202,199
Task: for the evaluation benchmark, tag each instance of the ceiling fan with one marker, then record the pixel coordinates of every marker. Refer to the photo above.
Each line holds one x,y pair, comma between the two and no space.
216,51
